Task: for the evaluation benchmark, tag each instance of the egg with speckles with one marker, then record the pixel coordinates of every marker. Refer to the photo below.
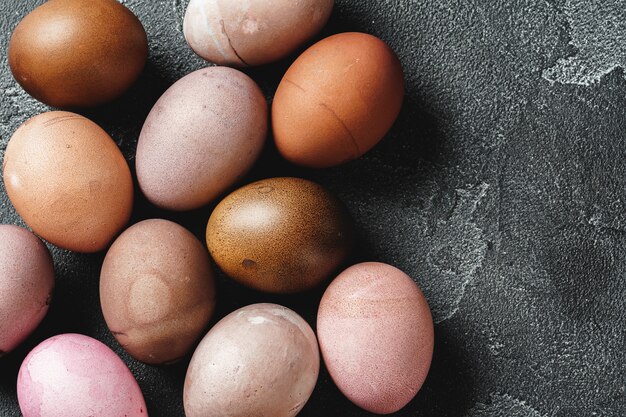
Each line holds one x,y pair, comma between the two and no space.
280,235
71,375
254,32
68,180
337,100
26,285
376,335
261,360
157,291
78,53
200,138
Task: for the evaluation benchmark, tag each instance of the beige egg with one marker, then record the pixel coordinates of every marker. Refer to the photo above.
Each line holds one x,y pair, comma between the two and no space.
261,360
253,32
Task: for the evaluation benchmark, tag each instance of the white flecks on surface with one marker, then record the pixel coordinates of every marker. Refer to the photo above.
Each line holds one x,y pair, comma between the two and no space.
260,320
503,405
456,266
598,32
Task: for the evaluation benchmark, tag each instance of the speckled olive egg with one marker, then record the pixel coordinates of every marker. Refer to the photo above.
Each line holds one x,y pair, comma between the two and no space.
69,181
26,285
375,332
337,100
254,32
280,235
157,291
261,360
72,375
203,135
76,53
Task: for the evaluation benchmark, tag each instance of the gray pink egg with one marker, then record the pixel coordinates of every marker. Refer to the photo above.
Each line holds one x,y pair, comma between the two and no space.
201,137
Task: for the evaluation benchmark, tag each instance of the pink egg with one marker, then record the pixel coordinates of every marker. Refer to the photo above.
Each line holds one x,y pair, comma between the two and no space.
376,335
72,375
26,285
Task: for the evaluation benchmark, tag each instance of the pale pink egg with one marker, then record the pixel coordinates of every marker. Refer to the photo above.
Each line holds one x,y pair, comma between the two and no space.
26,285
72,375
376,335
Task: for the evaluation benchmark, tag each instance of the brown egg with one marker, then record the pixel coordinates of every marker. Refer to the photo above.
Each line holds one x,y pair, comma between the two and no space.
157,291
337,100
280,235
68,180
76,53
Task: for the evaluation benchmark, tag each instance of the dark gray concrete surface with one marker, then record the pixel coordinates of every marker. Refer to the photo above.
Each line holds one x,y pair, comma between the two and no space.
501,190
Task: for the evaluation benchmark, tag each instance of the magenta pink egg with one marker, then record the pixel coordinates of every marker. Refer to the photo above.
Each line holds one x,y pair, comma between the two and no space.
376,335
26,285
72,375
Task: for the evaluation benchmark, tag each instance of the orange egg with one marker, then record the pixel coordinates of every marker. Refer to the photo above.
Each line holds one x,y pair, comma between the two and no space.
337,100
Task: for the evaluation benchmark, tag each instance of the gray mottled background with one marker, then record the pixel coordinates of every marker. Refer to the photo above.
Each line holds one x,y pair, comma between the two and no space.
501,190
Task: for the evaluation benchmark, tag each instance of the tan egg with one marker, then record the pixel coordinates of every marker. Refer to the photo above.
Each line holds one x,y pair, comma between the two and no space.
280,235
76,53
157,291
69,181
253,32
337,100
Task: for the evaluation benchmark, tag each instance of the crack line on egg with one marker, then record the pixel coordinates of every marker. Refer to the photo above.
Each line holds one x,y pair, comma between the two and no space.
322,104
296,85
352,139
60,119
216,41
230,43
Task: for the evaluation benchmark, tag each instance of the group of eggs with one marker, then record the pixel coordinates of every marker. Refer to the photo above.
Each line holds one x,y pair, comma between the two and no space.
70,183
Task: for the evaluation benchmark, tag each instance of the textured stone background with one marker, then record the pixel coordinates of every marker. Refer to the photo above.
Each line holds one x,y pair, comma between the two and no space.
501,190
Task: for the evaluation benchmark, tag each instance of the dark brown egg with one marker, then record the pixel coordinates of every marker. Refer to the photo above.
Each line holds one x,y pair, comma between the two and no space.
157,291
280,235
78,53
